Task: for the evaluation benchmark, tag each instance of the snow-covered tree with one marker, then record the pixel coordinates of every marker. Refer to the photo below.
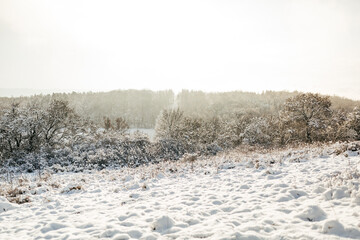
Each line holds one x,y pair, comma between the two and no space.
168,124
29,127
353,122
338,128
308,114
59,119
12,132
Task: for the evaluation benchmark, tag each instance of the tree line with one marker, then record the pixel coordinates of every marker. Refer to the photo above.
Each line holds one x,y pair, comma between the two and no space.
302,118
140,108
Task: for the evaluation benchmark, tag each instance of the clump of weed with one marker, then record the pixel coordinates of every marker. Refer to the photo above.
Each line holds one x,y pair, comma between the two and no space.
16,195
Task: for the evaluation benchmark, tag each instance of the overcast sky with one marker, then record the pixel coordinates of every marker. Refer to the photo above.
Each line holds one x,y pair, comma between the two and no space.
209,45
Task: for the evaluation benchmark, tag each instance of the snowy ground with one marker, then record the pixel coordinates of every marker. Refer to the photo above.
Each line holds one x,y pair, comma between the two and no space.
307,193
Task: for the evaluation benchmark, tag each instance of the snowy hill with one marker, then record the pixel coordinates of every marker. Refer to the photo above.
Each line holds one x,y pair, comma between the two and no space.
304,193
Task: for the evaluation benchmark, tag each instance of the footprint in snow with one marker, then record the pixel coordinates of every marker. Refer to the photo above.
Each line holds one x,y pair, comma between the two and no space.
217,202
134,234
134,195
297,193
109,233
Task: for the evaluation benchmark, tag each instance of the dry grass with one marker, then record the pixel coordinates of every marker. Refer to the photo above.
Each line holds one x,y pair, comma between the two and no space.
15,194
74,187
20,189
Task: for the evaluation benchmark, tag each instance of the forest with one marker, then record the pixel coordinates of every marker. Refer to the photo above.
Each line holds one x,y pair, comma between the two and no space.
79,131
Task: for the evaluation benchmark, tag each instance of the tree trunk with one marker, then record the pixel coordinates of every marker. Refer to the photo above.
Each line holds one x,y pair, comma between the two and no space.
308,135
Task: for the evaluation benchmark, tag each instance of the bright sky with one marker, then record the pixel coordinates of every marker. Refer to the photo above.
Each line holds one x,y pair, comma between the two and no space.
222,45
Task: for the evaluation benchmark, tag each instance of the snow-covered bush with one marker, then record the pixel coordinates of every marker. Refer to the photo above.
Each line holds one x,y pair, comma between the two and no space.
168,124
353,123
257,132
178,134
168,149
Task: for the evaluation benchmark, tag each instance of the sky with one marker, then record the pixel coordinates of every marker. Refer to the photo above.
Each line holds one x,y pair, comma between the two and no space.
225,45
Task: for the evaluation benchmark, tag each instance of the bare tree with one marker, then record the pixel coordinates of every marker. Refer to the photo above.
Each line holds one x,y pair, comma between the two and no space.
58,119
121,125
107,123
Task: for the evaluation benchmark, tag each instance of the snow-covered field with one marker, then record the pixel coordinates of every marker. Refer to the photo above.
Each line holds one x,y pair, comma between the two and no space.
305,193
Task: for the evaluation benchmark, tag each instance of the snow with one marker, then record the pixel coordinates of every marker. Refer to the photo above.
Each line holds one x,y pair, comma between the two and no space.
312,213
5,205
162,224
305,193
